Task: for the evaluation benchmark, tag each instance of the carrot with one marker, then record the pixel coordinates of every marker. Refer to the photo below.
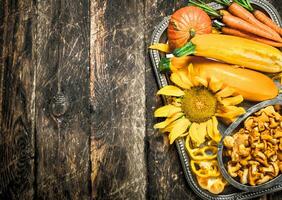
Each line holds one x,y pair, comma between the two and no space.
234,32
244,14
237,23
267,21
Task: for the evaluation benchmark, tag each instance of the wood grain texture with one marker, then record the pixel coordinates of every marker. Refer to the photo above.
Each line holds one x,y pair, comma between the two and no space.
165,175
62,100
17,100
118,94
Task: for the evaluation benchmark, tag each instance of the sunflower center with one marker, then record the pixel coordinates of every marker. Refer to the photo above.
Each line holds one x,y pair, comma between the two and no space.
199,104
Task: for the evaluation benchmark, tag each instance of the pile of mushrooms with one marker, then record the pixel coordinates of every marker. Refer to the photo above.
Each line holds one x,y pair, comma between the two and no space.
255,151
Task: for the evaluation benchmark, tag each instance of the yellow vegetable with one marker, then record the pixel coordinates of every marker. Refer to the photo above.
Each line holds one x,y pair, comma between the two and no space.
234,50
160,47
252,85
200,153
205,168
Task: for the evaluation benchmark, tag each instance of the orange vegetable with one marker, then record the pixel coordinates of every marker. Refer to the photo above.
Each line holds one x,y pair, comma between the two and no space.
230,31
239,24
234,50
186,23
243,20
244,14
252,85
260,16
267,21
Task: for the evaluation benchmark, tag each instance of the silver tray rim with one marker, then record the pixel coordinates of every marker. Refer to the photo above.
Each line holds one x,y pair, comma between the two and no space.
184,158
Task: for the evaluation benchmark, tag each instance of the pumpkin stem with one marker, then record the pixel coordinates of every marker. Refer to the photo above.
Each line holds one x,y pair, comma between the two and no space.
209,10
164,64
188,49
246,4
192,32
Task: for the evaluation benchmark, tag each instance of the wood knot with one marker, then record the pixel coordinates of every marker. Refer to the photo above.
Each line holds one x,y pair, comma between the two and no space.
59,105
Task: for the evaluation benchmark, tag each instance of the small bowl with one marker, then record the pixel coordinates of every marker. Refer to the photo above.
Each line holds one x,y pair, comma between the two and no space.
229,131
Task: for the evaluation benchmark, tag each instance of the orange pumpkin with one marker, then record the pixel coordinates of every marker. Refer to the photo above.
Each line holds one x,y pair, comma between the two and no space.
185,23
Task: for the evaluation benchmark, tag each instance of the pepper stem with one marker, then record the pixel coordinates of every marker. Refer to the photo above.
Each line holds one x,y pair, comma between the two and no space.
188,49
164,64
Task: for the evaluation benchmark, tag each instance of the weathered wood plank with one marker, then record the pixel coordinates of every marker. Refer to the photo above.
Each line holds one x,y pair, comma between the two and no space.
165,175
17,100
62,100
118,99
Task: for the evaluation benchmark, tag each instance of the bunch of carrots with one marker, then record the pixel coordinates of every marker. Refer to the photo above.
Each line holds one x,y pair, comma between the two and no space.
243,20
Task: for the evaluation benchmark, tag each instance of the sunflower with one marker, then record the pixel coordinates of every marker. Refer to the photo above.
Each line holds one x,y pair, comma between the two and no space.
194,104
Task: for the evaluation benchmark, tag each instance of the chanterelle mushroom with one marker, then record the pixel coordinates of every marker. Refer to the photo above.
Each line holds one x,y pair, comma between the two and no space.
243,176
255,151
264,179
228,141
243,151
232,169
249,123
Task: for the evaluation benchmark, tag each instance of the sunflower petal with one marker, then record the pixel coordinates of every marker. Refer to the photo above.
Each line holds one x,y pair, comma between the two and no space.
175,78
197,134
202,81
237,111
184,134
169,127
216,134
215,84
225,109
210,128
191,75
203,130
167,111
184,77
160,47
225,92
168,121
232,101
171,90
179,128
228,121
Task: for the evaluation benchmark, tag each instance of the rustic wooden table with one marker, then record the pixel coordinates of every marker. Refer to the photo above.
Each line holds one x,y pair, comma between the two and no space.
77,99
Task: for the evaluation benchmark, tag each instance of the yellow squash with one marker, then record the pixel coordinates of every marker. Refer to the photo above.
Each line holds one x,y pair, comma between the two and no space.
234,50
252,85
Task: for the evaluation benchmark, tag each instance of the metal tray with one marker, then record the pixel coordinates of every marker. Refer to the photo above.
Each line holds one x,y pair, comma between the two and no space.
234,127
230,192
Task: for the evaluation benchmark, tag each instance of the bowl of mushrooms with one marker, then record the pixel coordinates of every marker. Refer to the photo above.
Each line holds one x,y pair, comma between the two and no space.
250,151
